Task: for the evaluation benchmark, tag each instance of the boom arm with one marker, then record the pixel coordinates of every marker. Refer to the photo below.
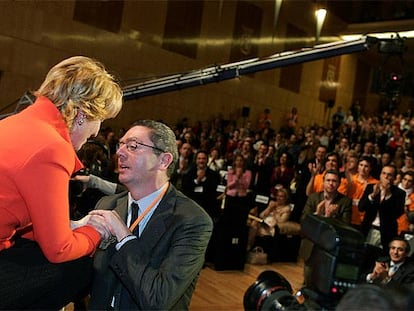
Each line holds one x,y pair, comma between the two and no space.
233,70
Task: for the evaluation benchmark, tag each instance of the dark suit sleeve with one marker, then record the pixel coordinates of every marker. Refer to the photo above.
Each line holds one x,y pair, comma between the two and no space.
345,210
163,276
364,203
399,202
310,206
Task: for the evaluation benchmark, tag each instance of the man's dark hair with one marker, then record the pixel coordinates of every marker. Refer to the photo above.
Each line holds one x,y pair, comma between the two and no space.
409,173
334,172
333,154
367,159
393,167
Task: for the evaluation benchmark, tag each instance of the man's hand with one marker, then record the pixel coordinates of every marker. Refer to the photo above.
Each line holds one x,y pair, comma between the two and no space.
98,222
320,208
200,175
376,189
331,210
314,168
386,187
95,221
380,271
114,222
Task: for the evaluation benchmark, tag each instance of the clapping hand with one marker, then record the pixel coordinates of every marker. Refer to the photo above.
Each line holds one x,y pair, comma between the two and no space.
376,189
320,208
331,210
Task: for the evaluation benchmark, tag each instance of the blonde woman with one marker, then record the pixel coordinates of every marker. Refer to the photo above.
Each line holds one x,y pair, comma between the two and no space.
262,233
45,258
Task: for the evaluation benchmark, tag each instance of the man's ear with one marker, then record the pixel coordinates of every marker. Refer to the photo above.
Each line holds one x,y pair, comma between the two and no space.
166,159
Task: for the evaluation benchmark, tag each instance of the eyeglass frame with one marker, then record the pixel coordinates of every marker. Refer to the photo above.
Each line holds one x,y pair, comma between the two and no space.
134,140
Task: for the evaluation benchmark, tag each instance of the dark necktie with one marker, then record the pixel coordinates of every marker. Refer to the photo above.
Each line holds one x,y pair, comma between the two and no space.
134,216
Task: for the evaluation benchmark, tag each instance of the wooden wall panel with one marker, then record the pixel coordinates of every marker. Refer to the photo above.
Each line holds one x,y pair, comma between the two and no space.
35,35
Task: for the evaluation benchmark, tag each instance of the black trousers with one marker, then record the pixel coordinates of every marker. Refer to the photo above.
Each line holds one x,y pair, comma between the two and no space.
29,281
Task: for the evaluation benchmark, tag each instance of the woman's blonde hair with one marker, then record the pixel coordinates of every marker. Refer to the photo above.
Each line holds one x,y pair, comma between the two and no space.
82,84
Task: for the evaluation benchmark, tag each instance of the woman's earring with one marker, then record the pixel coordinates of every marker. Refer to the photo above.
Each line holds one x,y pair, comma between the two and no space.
81,119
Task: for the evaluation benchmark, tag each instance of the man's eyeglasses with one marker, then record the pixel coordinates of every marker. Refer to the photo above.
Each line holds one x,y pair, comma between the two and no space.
132,145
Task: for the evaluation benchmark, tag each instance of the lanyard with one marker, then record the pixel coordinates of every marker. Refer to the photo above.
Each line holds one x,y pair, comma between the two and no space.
144,213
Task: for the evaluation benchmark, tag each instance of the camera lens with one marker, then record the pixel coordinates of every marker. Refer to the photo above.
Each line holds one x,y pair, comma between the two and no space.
271,291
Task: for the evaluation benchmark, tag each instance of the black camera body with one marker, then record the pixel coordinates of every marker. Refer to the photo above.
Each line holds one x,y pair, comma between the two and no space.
338,256
337,260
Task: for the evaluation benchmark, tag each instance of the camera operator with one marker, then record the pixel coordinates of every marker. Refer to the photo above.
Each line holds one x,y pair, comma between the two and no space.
395,270
328,203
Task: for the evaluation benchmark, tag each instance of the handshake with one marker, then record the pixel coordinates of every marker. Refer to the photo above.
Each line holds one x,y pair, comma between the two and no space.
108,223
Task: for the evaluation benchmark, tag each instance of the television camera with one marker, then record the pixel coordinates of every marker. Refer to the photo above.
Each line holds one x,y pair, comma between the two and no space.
339,256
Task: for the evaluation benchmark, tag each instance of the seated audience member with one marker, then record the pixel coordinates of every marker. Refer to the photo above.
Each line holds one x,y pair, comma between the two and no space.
45,258
262,233
160,235
398,269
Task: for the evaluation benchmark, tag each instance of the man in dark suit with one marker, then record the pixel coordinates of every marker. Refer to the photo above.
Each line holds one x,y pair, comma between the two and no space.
396,270
200,184
154,262
383,203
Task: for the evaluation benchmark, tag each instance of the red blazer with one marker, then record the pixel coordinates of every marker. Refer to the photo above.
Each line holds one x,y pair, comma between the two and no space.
37,160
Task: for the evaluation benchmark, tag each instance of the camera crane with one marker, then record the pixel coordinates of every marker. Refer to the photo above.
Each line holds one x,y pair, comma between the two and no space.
220,73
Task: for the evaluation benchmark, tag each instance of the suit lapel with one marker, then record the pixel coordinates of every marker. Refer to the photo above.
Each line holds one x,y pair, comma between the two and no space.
399,273
160,220
121,207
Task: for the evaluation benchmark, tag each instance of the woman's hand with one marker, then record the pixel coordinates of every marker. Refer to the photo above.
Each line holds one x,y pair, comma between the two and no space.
95,221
